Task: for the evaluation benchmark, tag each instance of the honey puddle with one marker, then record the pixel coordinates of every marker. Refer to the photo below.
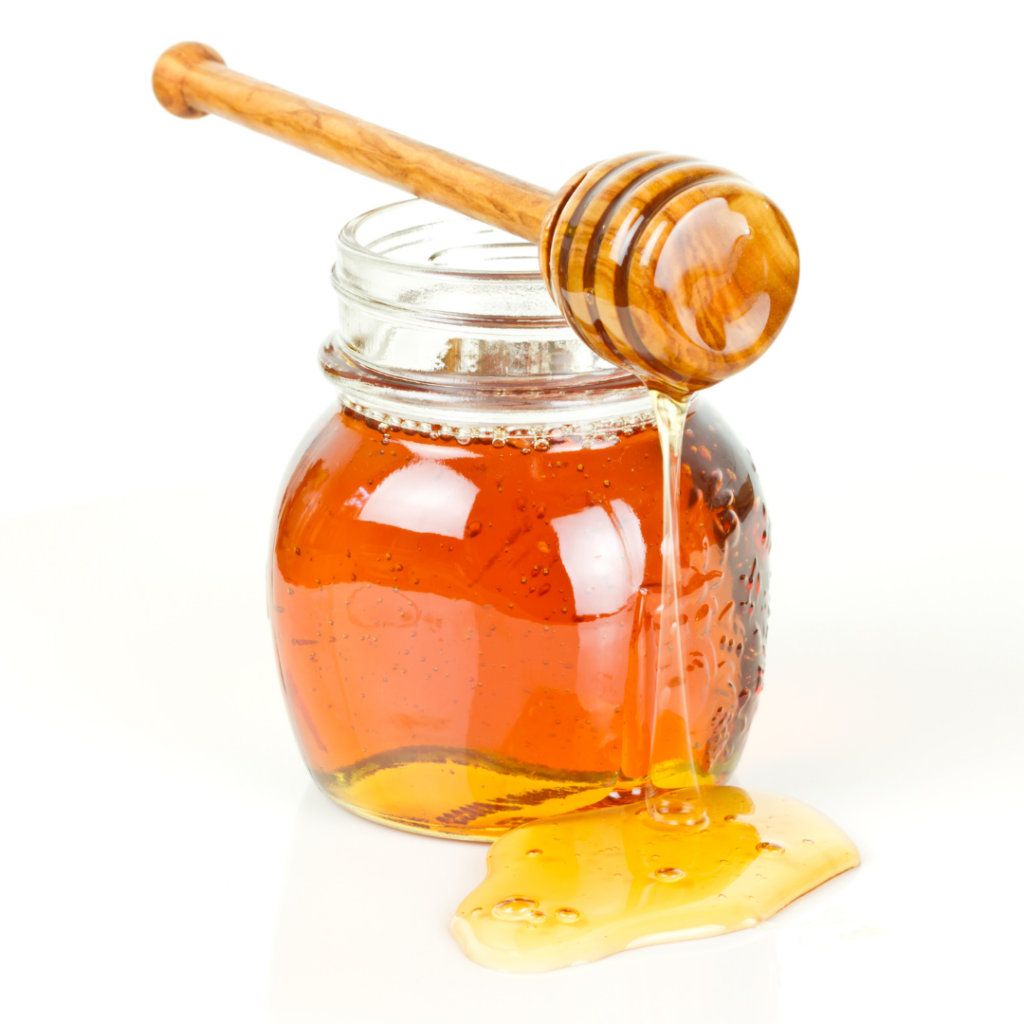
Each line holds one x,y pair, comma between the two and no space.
578,887
685,863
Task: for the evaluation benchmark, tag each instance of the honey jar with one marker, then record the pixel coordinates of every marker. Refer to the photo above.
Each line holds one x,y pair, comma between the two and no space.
465,579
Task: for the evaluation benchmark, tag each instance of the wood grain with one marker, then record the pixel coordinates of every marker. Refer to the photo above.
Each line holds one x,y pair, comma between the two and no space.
677,269
191,80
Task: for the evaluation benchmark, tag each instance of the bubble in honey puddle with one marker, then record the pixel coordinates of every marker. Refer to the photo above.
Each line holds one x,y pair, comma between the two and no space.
681,812
624,880
670,874
515,908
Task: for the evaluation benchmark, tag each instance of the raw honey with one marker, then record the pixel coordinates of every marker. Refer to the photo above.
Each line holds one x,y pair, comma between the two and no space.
464,630
579,887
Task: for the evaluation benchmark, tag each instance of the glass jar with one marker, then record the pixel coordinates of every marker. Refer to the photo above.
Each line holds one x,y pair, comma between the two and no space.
465,577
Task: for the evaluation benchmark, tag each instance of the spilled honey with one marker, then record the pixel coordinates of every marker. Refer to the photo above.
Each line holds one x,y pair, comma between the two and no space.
578,887
687,862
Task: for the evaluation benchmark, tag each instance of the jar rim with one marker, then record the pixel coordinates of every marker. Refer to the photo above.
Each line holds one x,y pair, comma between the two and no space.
348,238
414,259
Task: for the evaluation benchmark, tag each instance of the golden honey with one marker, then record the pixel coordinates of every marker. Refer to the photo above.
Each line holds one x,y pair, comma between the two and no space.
578,887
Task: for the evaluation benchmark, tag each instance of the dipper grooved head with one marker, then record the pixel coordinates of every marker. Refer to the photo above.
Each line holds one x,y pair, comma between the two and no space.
680,271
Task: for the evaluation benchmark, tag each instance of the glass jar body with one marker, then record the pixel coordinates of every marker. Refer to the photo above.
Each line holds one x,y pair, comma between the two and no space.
465,580
461,628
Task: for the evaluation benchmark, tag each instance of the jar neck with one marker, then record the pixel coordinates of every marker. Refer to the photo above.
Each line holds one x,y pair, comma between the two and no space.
445,325
526,414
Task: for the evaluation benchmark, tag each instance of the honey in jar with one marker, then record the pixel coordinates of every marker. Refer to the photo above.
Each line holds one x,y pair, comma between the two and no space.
466,580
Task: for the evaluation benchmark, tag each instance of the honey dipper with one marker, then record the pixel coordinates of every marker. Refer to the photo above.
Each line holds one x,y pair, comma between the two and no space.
676,269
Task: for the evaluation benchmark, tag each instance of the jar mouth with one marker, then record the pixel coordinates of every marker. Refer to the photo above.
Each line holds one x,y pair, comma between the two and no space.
426,290
490,246
413,260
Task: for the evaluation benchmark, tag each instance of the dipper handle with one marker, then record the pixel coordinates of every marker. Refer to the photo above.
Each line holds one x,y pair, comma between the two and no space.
192,80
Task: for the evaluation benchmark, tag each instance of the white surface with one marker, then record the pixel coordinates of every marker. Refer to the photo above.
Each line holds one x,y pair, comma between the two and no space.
165,286
167,858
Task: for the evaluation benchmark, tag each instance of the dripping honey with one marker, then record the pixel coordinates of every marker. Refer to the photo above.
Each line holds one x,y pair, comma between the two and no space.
471,679
686,863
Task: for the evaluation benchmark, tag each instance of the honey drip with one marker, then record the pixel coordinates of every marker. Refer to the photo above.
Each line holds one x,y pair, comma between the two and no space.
672,764
690,862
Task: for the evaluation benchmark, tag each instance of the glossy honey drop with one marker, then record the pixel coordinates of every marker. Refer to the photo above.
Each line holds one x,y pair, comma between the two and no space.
614,879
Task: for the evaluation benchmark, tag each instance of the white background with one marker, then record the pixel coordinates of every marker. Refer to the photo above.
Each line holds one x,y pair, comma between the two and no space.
165,287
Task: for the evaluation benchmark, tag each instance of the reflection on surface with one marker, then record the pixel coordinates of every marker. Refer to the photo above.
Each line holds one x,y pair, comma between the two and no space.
424,497
603,552
708,303
362,935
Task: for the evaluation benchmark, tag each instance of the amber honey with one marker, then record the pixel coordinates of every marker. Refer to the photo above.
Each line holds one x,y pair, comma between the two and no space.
575,888
463,630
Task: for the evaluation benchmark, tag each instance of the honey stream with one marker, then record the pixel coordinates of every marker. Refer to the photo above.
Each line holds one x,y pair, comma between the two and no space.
672,791
688,862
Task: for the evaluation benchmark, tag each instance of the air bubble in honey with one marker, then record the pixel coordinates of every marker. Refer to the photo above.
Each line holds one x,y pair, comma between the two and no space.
669,874
514,908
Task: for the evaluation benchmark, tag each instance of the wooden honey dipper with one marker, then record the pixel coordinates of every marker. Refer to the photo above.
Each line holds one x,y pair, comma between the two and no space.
676,269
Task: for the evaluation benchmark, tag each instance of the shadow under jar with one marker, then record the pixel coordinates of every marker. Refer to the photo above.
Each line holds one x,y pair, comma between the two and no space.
465,579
